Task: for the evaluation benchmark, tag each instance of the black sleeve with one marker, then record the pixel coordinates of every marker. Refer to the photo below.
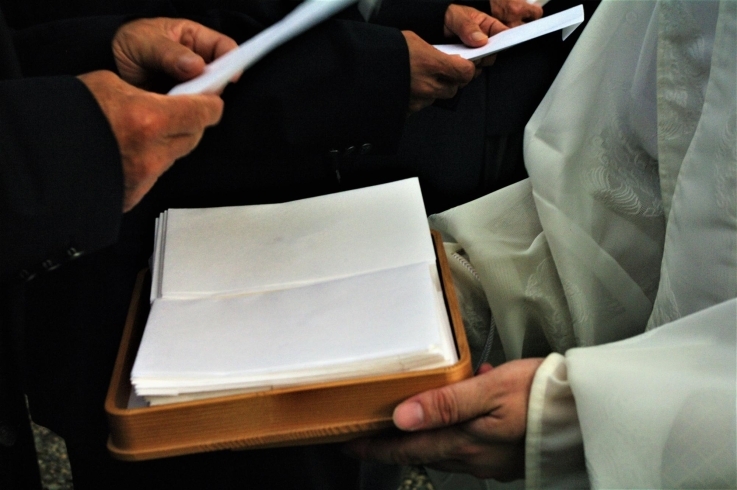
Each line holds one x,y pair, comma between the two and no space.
423,17
60,175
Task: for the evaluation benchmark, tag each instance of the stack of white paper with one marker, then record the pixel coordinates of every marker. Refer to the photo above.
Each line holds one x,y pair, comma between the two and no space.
254,297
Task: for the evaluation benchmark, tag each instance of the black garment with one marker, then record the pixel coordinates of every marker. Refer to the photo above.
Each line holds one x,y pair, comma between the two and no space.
341,85
467,149
60,196
314,109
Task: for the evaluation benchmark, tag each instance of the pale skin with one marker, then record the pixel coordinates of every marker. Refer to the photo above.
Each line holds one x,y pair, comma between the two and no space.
476,426
154,130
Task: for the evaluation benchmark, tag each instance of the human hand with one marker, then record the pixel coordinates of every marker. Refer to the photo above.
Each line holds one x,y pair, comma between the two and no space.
433,74
152,130
515,12
473,27
178,48
476,426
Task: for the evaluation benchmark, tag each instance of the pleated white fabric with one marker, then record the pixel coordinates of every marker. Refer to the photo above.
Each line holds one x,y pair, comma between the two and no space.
628,223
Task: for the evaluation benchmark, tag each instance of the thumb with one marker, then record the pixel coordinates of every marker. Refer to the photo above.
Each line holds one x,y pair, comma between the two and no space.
176,60
445,406
471,34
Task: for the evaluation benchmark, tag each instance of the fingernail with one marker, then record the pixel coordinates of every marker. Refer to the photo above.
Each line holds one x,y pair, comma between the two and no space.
478,36
187,62
409,416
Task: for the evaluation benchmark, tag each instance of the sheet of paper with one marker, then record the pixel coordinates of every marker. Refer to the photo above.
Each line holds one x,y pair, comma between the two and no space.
380,322
247,249
218,73
566,21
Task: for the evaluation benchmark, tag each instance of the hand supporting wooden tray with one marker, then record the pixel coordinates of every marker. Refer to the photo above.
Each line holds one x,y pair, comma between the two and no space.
308,414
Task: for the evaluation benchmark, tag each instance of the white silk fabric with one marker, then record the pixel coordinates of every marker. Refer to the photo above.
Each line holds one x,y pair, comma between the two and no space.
626,229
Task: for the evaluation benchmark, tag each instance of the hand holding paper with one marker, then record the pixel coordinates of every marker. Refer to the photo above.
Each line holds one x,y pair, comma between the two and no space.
178,48
472,26
309,13
567,21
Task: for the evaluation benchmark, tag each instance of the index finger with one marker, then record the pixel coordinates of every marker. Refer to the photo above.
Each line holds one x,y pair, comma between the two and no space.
204,41
410,449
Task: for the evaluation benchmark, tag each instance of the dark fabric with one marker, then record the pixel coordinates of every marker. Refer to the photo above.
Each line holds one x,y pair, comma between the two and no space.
60,181
60,187
9,69
522,75
68,47
306,120
423,17
342,85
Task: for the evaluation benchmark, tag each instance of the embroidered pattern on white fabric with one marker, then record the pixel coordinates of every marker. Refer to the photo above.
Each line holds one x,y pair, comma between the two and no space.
683,65
626,181
684,51
726,175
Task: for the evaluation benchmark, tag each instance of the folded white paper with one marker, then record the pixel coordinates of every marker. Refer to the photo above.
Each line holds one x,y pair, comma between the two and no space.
309,13
566,21
256,297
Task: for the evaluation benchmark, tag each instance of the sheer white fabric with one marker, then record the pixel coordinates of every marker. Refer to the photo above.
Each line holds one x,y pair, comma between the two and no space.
627,223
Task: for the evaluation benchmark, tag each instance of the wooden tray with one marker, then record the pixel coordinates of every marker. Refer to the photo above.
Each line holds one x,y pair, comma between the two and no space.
316,413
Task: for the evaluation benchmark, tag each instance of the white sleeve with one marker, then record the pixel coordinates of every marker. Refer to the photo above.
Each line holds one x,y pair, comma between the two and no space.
655,411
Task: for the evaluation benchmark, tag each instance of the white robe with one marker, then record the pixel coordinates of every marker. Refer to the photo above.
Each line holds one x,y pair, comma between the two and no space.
626,229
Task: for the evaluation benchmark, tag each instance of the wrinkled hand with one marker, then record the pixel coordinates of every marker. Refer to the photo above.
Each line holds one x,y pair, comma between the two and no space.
433,74
475,426
473,27
152,130
178,48
515,12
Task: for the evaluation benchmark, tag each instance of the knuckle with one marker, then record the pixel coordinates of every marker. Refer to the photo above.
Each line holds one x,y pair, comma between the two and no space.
150,124
445,406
